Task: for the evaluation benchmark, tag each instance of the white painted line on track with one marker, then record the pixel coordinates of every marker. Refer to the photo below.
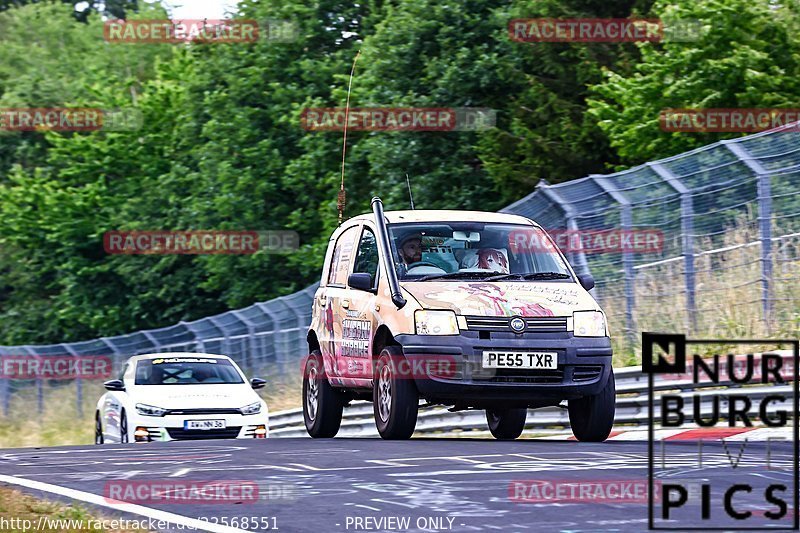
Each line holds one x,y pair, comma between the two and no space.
132,508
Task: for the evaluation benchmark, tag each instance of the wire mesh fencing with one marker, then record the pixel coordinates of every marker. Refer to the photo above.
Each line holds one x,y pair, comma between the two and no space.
728,215
728,261
266,337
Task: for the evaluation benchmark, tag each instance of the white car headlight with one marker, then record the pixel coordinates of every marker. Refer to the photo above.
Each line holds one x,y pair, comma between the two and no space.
435,322
589,324
149,410
252,409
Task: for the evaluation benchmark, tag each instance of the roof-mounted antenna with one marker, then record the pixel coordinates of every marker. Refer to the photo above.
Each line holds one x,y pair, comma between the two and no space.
342,199
411,198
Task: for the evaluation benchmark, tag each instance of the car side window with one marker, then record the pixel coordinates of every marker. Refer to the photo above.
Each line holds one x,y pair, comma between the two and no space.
367,256
342,255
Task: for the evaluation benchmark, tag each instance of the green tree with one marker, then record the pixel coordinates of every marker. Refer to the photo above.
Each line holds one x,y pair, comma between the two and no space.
747,56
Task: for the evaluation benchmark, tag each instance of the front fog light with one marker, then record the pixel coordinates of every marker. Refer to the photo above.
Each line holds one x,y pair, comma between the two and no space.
589,324
435,322
141,434
260,432
252,409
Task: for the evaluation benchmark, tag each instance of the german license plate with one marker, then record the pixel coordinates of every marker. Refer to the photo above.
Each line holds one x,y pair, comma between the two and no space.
530,360
203,424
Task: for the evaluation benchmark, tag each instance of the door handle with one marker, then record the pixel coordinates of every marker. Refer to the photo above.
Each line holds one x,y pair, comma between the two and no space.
346,304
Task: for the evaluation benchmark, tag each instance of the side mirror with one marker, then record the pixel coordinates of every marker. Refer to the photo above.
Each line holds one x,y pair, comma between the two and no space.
257,383
586,281
361,281
114,385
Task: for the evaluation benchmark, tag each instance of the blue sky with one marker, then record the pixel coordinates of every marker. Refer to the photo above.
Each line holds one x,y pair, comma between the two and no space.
199,9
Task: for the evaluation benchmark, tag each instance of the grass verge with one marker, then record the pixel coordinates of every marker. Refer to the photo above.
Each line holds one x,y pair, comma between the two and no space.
23,512
61,423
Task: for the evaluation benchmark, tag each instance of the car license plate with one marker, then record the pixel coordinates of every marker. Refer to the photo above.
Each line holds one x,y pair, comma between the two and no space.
203,424
534,360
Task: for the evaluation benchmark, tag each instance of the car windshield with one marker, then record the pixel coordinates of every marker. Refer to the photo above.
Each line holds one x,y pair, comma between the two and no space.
186,371
475,250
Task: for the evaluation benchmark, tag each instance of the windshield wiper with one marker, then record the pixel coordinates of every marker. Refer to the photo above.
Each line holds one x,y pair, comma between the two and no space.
452,275
546,275
534,275
504,276
482,276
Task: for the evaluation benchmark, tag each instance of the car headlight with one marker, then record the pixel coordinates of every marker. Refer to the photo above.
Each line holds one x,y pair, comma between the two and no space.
252,409
435,322
149,410
589,324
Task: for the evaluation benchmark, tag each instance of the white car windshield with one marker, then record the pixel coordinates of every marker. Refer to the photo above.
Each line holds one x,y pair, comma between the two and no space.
475,250
186,371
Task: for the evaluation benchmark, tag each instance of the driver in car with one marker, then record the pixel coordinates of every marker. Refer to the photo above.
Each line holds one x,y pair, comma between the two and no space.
410,251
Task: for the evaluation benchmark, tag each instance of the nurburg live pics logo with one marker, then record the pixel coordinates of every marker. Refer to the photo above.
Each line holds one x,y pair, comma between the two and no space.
722,485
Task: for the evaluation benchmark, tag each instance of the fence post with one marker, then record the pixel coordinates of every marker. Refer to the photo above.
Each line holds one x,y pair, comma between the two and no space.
570,215
226,341
5,387
626,224
251,334
687,242
78,381
264,307
764,197
39,383
116,363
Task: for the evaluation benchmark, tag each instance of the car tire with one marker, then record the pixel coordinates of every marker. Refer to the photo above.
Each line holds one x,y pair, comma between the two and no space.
123,428
98,429
506,424
592,417
322,404
395,399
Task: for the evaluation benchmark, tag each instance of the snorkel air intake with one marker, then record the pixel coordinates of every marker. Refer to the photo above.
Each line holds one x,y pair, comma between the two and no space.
383,242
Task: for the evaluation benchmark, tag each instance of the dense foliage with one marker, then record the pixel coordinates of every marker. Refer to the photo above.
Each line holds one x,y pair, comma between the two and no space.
221,147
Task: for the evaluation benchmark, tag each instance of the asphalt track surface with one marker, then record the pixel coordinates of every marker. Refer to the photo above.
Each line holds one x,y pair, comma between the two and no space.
436,484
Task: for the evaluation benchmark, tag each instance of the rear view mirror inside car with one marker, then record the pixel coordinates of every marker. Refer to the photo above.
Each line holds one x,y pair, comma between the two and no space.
472,236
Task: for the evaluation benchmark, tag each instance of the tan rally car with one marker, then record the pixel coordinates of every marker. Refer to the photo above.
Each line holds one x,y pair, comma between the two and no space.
467,309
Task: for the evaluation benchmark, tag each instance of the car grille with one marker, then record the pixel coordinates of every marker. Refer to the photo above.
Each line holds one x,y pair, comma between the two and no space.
580,374
184,434
508,375
208,411
532,324
583,373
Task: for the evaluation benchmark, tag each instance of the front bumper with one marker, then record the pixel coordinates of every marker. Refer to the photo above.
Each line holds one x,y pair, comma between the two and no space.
171,427
584,365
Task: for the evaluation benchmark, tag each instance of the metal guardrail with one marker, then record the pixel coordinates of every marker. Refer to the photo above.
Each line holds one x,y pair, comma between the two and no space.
632,409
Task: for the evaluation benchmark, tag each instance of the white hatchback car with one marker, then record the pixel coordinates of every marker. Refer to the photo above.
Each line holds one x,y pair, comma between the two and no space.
180,396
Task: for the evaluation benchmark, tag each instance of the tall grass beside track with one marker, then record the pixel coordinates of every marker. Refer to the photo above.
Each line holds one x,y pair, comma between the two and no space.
728,301
729,297
61,423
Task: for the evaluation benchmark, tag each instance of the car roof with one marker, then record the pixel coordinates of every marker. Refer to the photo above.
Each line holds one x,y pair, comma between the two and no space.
430,215
164,355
